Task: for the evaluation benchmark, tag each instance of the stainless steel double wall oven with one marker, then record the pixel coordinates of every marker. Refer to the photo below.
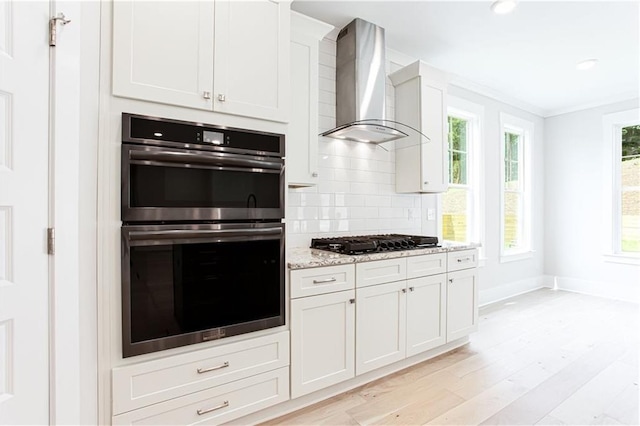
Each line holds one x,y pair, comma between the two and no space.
202,233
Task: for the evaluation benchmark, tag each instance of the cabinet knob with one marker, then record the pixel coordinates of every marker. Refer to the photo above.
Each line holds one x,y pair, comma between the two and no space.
314,174
426,182
450,280
222,97
411,288
404,290
352,301
206,95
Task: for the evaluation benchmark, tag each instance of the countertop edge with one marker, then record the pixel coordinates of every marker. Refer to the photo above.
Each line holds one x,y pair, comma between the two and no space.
305,258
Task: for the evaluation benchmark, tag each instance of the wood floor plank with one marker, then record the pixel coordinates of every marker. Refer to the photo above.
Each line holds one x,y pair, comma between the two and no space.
589,402
422,411
537,403
624,408
482,406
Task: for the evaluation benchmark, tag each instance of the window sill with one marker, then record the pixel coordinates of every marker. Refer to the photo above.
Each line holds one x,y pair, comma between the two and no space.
514,257
627,259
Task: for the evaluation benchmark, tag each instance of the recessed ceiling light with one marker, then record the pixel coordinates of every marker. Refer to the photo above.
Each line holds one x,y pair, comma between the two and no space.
158,134
502,7
586,64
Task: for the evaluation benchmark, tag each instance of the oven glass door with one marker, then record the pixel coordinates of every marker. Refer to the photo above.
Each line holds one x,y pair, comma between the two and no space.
166,184
191,283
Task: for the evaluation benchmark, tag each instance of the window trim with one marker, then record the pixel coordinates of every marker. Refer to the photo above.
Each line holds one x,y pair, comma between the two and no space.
474,114
526,129
612,238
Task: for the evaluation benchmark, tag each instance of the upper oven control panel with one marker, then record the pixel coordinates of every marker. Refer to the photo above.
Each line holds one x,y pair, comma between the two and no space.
157,131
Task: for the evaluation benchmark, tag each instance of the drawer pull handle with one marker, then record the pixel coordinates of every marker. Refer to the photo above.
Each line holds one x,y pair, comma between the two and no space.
466,259
328,280
217,367
217,407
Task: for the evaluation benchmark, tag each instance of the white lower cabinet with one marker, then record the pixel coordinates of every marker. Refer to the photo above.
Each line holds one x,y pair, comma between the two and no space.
462,303
403,307
380,325
216,405
426,313
323,341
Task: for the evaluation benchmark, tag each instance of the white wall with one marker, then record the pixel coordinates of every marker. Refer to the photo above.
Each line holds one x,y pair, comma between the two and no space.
574,148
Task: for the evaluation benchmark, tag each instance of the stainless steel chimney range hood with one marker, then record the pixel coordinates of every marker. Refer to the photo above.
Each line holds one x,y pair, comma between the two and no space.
360,86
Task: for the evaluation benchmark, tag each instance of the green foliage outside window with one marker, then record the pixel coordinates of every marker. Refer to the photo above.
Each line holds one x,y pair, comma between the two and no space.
630,180
455,202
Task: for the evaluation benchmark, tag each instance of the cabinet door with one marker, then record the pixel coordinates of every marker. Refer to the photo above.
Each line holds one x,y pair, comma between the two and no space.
322,341
302,136
252,58
380,325
426,313
433,158
163,52
462,303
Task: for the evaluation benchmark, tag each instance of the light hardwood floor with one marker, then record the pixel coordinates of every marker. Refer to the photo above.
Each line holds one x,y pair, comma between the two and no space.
545,357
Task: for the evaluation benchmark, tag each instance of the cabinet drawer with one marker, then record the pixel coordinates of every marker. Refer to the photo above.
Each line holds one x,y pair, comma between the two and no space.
430,264
217,405
151,382
464,259
327,279
380,271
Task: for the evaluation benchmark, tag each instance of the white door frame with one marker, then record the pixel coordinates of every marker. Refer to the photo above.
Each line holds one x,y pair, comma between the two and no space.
73,173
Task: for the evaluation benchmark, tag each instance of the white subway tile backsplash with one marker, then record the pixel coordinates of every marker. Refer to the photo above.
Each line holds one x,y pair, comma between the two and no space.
355,193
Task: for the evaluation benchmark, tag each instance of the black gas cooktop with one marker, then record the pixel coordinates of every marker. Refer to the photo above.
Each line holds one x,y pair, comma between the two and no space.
373,243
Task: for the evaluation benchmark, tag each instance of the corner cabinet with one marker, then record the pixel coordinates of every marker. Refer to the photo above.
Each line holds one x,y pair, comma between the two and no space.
225,56
302,135
421,164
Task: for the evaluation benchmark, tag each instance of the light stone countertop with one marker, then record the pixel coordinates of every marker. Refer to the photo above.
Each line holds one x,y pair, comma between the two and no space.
302,257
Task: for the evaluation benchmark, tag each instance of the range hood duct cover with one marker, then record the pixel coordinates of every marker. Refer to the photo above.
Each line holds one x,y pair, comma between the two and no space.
360,85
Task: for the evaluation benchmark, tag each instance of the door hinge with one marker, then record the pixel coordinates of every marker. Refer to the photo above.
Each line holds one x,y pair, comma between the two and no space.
51,241
53,29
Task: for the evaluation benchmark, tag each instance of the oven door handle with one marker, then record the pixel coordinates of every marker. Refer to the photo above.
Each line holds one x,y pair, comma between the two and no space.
204,158
162,237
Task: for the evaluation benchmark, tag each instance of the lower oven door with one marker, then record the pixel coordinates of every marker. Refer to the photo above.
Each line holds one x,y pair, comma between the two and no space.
184,284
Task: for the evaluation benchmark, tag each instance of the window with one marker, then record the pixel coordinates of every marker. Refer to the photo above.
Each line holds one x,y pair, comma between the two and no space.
622,166
515,208
460,206
630,189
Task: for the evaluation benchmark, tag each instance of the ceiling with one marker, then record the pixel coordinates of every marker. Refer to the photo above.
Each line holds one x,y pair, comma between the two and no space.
529,55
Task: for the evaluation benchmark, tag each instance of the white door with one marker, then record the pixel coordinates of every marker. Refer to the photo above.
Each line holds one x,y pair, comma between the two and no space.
322,341
24,89
426,313
380,325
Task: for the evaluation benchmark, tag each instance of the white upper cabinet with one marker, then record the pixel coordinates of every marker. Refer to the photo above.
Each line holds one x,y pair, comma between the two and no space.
163,52
252,58
302,135
421,163
225,56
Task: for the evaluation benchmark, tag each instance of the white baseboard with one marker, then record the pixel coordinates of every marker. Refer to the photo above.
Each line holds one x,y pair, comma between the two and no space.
505,291
627,291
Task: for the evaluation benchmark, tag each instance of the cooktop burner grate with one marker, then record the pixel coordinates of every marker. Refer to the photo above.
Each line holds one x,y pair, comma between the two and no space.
373,243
